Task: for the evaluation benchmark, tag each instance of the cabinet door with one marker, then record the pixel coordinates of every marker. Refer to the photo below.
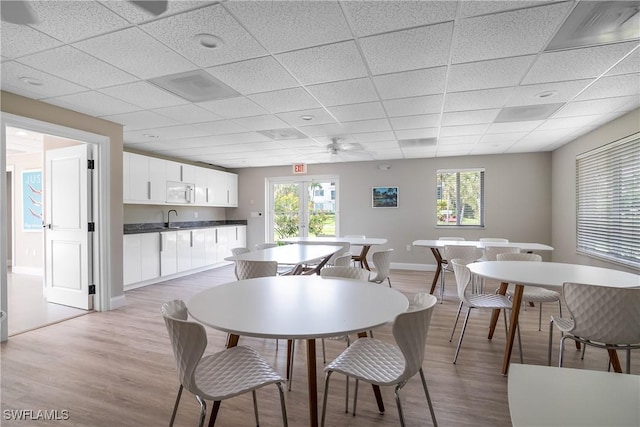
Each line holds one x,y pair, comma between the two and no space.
223,249
149,256
180,172
202,181
168,252
198,256
131,261
157,180
139,185
210,248
184,250
232,189
217,188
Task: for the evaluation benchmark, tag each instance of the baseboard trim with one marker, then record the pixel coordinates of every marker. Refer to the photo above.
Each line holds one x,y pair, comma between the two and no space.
117,302
155,280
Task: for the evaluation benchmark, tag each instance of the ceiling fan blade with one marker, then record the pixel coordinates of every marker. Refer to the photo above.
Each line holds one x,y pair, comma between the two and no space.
17,12
152,6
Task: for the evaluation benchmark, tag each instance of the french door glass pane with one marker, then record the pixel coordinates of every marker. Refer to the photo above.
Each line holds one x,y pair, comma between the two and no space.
322,209
286,219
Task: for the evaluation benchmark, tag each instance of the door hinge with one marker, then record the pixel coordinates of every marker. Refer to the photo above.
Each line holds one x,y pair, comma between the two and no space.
92,226
92,289
91,164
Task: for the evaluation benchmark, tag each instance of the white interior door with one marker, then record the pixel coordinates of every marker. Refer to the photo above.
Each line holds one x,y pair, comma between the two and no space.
68,241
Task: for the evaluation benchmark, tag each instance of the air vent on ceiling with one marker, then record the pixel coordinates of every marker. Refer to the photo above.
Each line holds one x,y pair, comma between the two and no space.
527,113
593,23
194,86
282,134
417,142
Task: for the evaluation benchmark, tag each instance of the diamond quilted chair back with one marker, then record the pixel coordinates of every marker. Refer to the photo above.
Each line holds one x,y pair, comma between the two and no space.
346,272
463,276
189,340
410,332
252,269
604,314
382,261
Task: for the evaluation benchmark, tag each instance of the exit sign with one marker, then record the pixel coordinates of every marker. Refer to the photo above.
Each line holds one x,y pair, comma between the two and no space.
300,168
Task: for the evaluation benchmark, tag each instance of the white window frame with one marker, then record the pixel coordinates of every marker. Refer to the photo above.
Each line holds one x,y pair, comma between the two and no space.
458,203
608,202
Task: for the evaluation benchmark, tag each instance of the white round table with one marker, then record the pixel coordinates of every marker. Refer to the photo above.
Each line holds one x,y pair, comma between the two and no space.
291,307
550,275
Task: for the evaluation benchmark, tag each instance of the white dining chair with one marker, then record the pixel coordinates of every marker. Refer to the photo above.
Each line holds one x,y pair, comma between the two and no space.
382,262
356,250
466,252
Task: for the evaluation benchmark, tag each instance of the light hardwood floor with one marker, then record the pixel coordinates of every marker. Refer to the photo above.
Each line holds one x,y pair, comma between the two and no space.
117,369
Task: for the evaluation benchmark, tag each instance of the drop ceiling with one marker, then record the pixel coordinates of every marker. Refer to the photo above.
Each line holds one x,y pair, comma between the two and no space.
466,77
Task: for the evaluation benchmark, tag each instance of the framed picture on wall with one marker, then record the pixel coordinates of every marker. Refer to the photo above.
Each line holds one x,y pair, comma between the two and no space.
32,200
384,197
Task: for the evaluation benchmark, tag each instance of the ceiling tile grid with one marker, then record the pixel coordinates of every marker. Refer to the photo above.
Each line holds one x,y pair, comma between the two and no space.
369,72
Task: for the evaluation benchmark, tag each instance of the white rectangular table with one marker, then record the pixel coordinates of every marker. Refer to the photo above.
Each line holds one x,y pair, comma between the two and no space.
365,242
436,245
551,396
292,255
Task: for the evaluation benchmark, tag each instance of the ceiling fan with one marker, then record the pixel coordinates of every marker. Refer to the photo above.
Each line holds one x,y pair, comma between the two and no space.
336,146
21,12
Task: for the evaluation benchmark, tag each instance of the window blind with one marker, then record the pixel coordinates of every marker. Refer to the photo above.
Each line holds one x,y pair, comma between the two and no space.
608,201
460,197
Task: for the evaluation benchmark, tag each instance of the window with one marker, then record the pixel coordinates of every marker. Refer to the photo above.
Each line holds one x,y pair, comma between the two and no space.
460,197
608,201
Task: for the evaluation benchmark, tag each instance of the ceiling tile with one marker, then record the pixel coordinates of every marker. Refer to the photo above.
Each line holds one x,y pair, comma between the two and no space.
629,65
598,106
372,17
77,66
174,133
354,112
221,127
429,81
560,92
469,117
93,103
138,120
285,100
137,53
454,150
17,40
624,85
324,129
484,149
188,113
463,130
501,138
328,63
415,122
520,32
362,126
413,106
454,140
589,122
180,31
485,7
514,126
344,92
51,87
135,14
416,133
255,75
240,138
319,117
374,136
423,47
488,74
419,152
144,95
287,25
233,107
477,99
561,65
261,122
70,21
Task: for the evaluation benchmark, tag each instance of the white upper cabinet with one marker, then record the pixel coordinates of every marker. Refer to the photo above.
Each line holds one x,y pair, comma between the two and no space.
179,172
146,179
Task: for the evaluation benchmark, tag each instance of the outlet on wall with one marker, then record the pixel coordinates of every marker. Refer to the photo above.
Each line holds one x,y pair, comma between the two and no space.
408,248
195,214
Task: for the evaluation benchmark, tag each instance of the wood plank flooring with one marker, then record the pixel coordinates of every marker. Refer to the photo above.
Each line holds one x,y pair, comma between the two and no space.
116,368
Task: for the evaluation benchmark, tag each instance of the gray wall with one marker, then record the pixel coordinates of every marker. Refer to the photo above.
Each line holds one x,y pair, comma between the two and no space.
517,200
564,188
134,214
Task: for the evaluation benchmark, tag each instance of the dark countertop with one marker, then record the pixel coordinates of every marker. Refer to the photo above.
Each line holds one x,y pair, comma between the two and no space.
155,227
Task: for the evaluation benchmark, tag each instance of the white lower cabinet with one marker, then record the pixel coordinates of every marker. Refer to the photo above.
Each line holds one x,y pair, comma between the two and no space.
183,259
141,257
198,248
168,253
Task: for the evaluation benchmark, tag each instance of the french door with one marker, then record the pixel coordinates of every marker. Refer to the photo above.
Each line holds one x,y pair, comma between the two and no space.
302,207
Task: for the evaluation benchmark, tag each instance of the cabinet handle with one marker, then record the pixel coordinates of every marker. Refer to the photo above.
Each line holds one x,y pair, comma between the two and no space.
227,196
181,177
207,195
149,190
191,238
161,242
216,236
236,233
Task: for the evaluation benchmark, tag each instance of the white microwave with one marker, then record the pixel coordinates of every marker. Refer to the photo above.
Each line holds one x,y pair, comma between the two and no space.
179,192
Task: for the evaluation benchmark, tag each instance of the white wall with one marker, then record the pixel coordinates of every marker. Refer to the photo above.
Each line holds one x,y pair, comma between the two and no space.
564,188
517,195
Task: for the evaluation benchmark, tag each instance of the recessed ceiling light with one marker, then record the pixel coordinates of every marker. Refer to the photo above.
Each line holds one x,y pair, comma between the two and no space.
208,41
307,117
546,94
31,81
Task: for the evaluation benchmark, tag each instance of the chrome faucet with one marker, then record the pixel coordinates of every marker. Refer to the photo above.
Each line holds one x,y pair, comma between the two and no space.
169,217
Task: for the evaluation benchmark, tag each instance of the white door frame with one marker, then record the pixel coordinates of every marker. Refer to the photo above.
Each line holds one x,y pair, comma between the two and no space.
102,205
301,179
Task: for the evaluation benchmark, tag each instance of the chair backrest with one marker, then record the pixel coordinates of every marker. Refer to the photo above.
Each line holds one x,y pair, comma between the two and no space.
261,246
239,251
493,239
188,339
410,332
251,269
461,252
346,272
343,260
604,314
345,248
382,261
463,276
518,256
491,252
451,238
